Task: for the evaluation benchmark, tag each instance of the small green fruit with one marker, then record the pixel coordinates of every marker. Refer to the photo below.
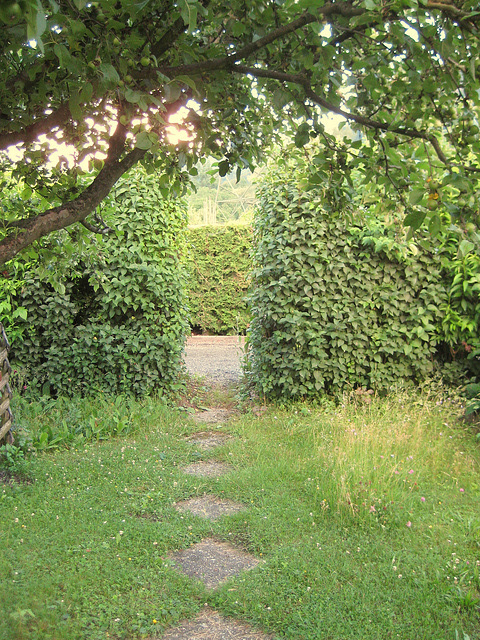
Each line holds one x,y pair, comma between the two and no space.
432,204
145,62
433,185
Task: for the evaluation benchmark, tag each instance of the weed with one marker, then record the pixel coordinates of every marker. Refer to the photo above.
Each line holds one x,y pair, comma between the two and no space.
14,463
53,423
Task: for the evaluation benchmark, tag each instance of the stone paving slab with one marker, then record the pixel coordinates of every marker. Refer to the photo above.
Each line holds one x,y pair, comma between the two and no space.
213,562
208,469
207,440
210,625
210,507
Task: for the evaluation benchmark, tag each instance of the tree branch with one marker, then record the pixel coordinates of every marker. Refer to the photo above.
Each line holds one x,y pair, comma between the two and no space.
29,133
344,9
103,230
168,38
76,210
304,81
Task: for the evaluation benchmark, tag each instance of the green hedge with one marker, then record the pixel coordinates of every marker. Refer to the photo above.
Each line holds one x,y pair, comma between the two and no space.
336,306
218,265
112,316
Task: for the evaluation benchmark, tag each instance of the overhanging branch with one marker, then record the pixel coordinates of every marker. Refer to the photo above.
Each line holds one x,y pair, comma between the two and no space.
78,209
304,82
344,9
42,126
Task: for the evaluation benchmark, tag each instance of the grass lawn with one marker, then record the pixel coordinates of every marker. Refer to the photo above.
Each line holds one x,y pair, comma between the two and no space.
367,517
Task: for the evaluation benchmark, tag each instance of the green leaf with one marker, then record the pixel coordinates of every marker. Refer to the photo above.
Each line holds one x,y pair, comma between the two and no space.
435,225
415,219
465,247
238,28
188,11
86,92
415,196
62,54
20,312
281,98
223,168
172,91
110,75
75,107
26,193
187,80
143,141
302,135
132,96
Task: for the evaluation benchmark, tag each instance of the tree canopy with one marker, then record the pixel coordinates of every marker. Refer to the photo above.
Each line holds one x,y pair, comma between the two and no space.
105,77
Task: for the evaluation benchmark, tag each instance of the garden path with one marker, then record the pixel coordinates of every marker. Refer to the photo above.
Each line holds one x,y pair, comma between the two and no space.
212,561
216,357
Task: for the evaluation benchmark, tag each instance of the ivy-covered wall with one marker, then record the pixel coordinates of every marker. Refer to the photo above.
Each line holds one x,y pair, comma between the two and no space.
336,306
219,263
110,315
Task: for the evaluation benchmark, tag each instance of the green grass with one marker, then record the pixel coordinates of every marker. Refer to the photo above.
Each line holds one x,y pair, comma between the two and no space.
367,517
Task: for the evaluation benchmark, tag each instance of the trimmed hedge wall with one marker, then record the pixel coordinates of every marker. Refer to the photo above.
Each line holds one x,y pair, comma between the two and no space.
218,265
336,307
113,316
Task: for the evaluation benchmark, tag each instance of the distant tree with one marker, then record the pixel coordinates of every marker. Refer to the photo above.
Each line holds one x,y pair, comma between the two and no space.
104,77
218,200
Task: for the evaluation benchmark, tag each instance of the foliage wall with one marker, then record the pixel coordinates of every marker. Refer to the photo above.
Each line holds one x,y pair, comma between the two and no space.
219,263
113,316
336,306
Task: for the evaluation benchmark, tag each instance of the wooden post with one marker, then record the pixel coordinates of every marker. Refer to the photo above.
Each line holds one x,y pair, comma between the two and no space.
6,418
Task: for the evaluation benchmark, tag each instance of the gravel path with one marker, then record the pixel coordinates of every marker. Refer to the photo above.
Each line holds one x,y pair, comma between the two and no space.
216,357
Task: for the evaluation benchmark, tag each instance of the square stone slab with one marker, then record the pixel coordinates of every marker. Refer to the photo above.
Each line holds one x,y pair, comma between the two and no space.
208,469
210,507
207,440
213,562
210,625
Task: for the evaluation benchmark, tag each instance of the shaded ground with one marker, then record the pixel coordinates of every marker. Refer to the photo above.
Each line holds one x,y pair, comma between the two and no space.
216,357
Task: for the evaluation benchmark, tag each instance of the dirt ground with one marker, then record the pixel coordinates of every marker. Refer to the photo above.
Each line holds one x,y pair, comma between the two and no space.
216,357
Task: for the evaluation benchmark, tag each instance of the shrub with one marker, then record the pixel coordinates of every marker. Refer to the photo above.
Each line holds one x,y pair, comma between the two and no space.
336,307
114,317
219,263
